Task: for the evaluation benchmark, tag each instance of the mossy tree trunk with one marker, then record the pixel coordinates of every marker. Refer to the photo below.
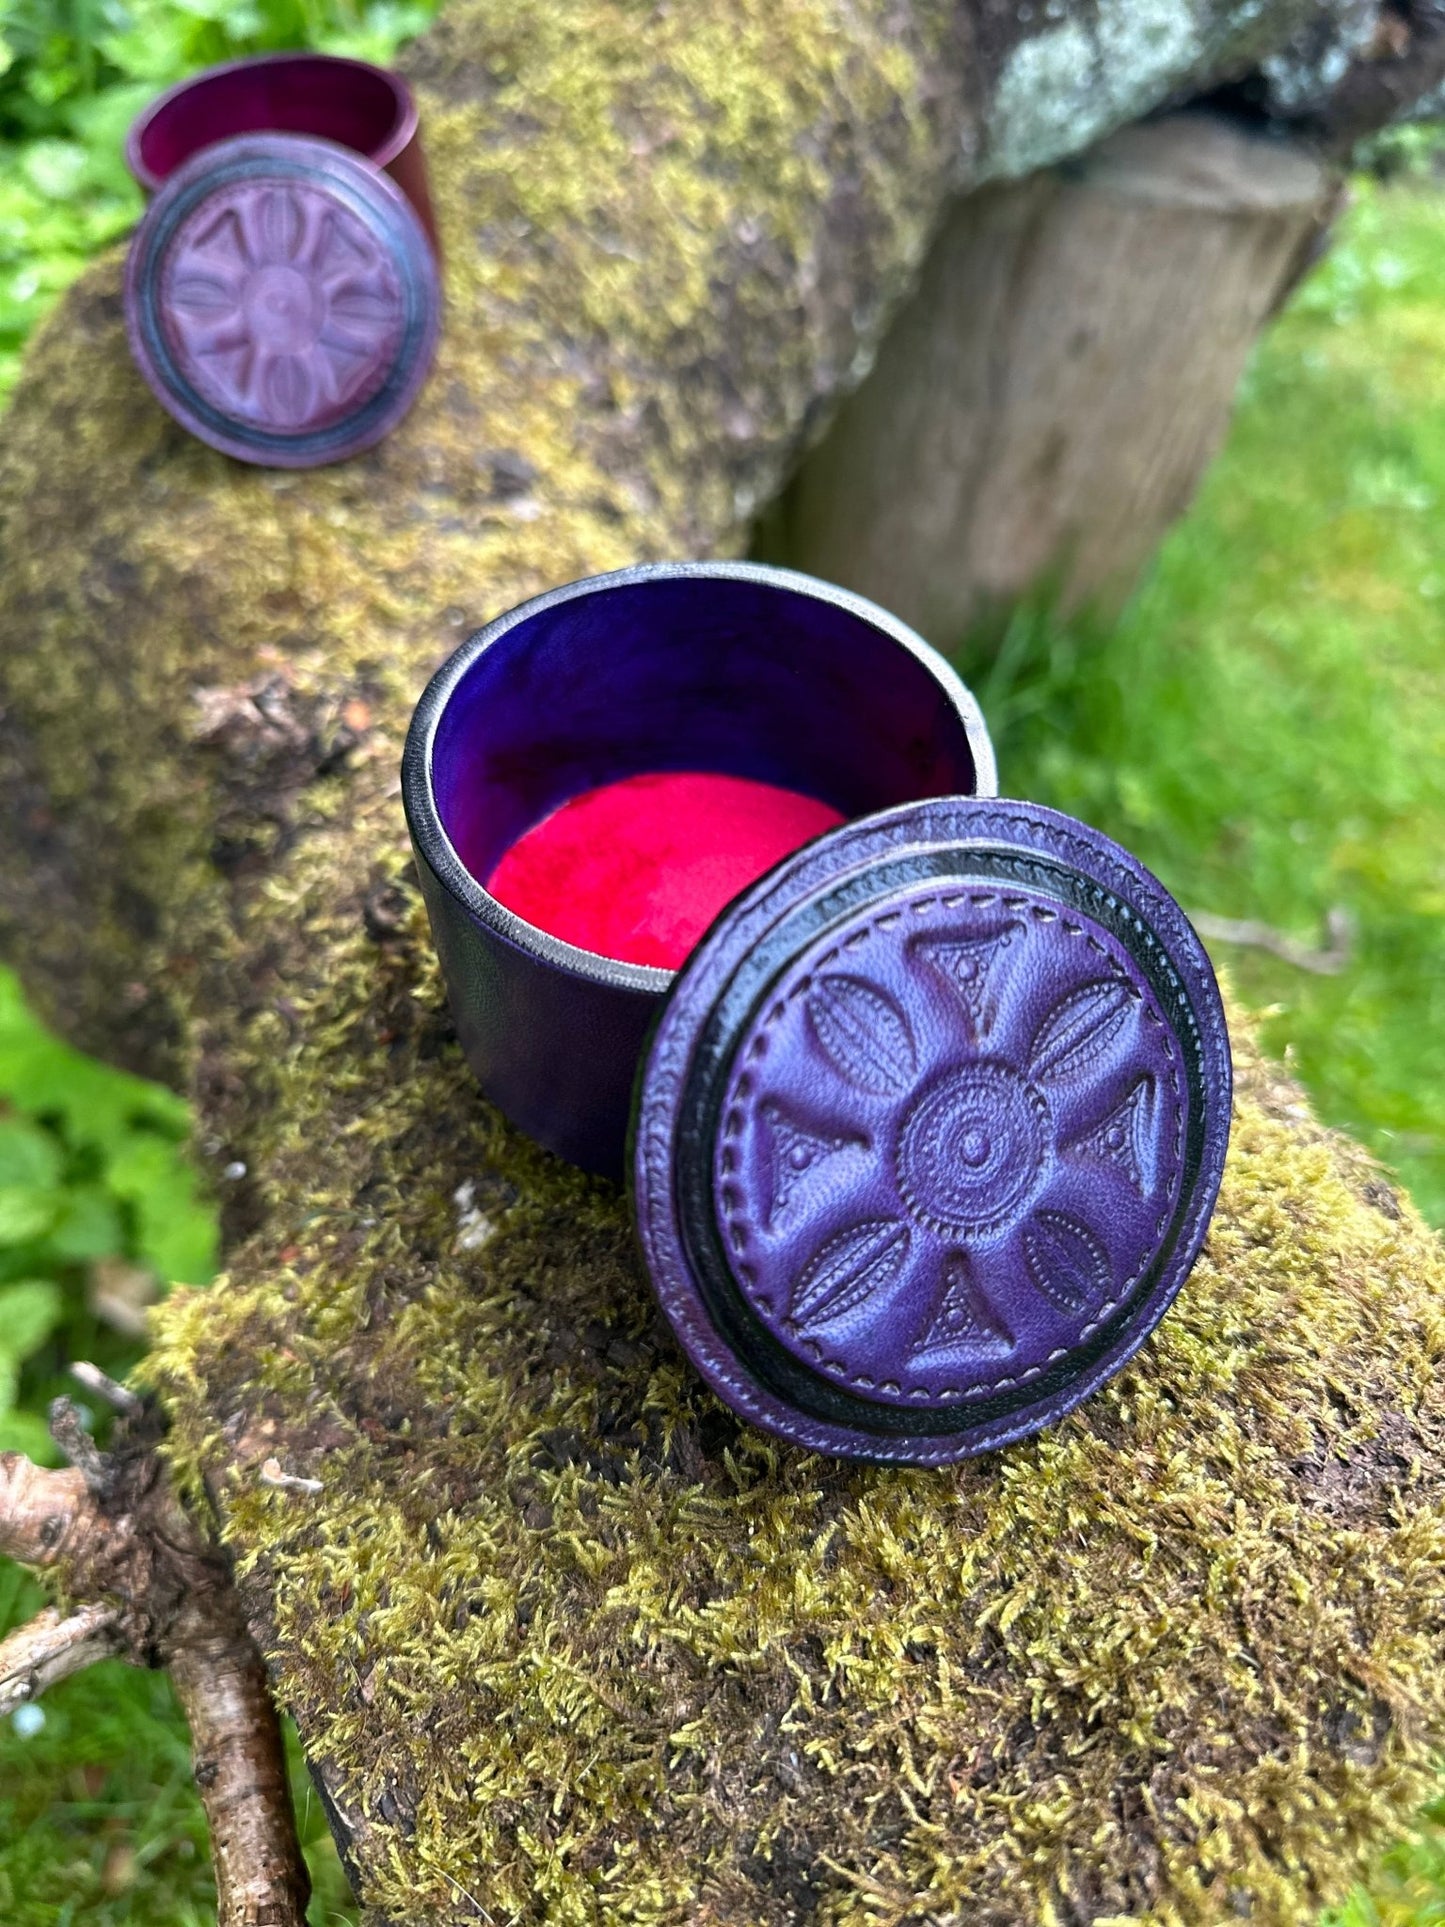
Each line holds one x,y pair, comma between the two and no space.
564,1642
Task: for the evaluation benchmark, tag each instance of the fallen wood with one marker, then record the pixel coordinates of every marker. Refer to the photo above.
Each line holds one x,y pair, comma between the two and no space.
51,1648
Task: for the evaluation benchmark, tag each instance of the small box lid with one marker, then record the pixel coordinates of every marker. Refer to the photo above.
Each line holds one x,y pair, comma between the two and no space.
929,1131
282,300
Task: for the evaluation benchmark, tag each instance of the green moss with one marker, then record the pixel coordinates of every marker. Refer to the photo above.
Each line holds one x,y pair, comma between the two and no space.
561,1633
646,338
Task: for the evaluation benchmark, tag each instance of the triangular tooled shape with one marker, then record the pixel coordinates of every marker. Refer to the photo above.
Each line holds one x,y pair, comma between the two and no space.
1125,1139
964,1322
967,963
792,1151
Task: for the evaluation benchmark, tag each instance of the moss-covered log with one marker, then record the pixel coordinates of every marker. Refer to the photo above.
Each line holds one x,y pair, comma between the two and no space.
563,1641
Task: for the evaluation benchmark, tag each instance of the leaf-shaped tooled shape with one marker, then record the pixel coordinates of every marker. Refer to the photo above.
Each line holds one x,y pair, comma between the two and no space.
203,295
281,224
1066,1261
288,389
1079,1027
864,1035
849,1269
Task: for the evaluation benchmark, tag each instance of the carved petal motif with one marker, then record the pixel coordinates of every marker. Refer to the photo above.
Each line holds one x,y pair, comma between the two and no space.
205,294
280,224
288,389
281,311
849,1269
1066,1261
864,1035
1079,1027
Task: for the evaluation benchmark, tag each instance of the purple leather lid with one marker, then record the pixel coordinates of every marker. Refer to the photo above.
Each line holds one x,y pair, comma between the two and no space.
930,1129
282,300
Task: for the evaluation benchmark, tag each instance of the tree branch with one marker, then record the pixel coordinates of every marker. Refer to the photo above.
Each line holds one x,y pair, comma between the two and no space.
118,1397
45,1517
67,1428
51,1648
158,1593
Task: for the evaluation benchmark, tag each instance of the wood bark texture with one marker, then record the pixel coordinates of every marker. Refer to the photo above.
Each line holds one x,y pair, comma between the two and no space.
155,1591
1047,403
564,1643
51,1648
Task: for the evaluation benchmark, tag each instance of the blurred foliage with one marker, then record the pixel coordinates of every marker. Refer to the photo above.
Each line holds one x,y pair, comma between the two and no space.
73,75
99,1819
92,1189
1413,151
1265,725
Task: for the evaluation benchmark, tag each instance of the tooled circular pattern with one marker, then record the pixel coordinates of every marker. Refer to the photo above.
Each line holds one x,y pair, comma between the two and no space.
952,1141
282,307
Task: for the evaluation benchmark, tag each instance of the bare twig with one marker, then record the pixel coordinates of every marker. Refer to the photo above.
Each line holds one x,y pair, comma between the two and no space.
157,1592
1328,961
67,1428
44,1516
271,1474
51,1648
118,1397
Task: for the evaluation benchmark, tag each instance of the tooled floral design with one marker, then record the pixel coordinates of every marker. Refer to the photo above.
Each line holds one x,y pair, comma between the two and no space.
282,305
967,1173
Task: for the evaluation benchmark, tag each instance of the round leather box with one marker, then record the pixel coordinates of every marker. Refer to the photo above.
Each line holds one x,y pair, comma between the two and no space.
369,110
925,1133
282,300
930,1129
752,672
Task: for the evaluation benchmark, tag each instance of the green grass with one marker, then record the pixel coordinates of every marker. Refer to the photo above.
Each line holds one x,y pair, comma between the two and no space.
1265,726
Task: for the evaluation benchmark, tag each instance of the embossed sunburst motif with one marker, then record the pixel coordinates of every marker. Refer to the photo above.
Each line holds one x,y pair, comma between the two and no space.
282,307
952,1144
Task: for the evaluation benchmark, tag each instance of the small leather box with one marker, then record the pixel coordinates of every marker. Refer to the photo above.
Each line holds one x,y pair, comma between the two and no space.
282,296
925,1133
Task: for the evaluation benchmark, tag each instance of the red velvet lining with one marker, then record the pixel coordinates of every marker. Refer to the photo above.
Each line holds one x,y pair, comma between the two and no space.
637,870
